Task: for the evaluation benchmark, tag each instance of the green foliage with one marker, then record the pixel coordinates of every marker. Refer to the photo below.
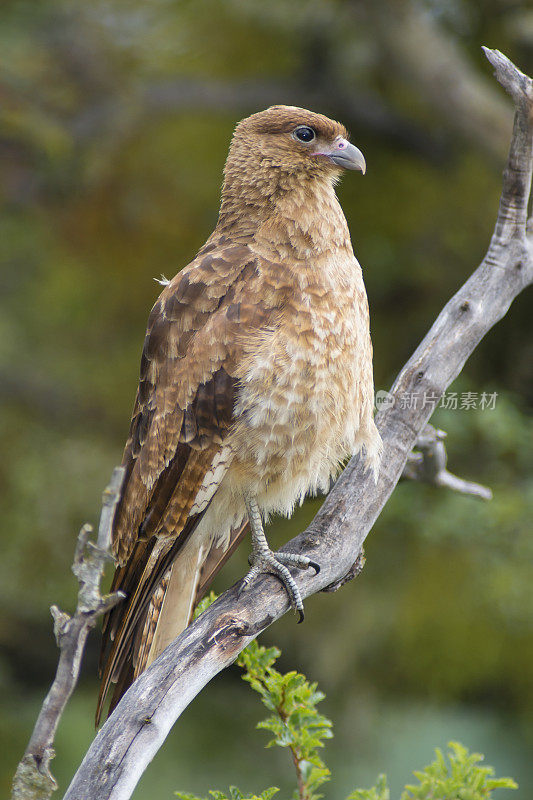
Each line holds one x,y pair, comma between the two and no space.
204,603
456,776
380,791
294,722
234,794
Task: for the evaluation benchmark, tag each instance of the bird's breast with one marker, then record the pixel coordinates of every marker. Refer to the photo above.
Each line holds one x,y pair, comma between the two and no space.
305,393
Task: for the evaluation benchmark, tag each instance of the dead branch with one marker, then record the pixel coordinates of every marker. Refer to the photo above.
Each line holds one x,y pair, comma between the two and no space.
33,779
140,723
427,463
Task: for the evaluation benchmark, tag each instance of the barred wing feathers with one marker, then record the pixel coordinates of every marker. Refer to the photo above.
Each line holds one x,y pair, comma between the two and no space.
174,456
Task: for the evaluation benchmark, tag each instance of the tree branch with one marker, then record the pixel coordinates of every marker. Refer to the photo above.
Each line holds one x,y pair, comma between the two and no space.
428,465
33,779
136,730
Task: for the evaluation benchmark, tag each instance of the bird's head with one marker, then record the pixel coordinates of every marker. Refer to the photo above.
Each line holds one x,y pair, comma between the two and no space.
293,141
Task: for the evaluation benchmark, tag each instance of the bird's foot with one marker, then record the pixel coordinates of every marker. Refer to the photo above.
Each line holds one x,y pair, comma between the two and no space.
277,564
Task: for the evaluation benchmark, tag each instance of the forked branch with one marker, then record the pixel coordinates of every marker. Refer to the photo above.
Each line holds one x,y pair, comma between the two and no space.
427,464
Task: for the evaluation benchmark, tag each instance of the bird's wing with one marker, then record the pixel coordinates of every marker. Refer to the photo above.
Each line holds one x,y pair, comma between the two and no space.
175,455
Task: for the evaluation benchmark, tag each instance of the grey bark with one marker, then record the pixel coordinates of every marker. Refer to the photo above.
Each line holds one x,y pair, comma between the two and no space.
133,734
428,465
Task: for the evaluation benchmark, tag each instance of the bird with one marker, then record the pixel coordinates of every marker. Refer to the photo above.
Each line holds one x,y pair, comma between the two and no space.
256,383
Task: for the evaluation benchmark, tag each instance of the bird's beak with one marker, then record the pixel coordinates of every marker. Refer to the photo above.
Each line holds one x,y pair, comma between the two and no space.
344,154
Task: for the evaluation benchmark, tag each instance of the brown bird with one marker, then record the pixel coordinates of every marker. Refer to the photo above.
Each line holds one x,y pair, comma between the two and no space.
256,382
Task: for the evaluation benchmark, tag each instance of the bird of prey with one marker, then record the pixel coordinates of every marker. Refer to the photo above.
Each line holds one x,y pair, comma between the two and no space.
255,383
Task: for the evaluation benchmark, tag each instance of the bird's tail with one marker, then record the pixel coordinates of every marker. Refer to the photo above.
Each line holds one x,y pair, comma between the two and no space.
163,582
160,583
172,604
183,586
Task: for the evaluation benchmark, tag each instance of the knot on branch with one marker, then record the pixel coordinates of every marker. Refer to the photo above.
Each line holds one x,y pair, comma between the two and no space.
34,781
353,572
61,623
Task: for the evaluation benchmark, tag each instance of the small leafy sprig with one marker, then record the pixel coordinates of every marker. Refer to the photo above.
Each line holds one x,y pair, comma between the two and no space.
294,720
454,776
457,776
234,794
380,791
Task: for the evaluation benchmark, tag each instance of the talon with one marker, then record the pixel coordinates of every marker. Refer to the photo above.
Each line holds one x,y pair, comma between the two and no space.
315,566
301,616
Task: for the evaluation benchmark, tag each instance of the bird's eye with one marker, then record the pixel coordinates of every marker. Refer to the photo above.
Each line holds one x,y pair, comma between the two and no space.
304,133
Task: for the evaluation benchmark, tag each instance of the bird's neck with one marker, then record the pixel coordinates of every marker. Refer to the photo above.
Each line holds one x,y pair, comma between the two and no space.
283,214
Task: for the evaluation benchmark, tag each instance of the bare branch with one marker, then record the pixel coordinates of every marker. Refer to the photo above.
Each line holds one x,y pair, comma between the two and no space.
428,465
33,779
140,723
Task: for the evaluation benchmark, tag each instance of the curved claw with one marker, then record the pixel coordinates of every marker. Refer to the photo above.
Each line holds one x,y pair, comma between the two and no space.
277,564
245,583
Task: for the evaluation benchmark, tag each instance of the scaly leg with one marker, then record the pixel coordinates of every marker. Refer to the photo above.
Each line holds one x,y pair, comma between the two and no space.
262,559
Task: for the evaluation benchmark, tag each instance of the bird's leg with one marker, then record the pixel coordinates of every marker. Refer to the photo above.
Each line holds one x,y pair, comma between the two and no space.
262,559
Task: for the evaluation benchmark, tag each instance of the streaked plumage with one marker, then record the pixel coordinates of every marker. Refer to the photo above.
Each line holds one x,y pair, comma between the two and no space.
256,380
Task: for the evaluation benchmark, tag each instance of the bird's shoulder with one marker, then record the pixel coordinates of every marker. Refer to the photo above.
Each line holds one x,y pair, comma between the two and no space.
206,311
197,331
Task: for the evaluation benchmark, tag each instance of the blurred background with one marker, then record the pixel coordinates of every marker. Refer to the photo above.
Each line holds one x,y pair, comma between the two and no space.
114,125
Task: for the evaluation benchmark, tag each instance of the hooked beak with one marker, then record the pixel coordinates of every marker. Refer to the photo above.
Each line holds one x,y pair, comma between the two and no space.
344,154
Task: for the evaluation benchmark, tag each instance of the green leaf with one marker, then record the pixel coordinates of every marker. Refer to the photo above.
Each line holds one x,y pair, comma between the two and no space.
458,776
234,794
295,723
204,604
380,791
